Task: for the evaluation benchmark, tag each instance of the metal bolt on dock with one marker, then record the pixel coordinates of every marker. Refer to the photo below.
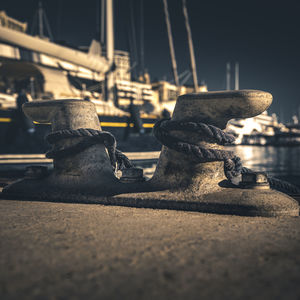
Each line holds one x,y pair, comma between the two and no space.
132,175
255,180
36,172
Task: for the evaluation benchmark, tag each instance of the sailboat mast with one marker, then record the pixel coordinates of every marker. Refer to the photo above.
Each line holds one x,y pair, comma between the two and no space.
228,79
41,25
171,45
237,79
109,47
102,21
191,47
109,31
142,37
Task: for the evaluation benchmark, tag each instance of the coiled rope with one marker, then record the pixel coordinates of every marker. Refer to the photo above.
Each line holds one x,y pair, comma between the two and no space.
232,164
233,167
118,159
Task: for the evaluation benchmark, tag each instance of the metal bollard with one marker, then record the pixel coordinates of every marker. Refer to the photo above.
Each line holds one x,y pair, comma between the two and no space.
76,176
214,108
187,184
179,182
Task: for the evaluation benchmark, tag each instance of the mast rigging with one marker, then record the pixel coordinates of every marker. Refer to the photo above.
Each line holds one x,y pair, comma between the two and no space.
191,47
171,45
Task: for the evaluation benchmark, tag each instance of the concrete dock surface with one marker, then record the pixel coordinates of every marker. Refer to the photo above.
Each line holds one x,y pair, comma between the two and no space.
78,251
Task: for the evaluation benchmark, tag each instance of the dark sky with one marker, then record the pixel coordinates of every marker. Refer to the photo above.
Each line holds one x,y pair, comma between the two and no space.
263,36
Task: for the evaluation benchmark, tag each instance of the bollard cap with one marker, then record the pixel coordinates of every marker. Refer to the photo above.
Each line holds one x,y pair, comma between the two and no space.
217,108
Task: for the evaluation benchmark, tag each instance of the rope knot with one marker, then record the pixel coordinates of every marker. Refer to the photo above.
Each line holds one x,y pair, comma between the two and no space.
233,167
118,160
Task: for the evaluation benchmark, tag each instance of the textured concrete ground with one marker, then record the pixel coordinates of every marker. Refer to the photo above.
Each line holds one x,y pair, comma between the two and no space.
75,251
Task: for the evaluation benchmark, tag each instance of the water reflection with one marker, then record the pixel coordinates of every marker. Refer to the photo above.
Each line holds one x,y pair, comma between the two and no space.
282,162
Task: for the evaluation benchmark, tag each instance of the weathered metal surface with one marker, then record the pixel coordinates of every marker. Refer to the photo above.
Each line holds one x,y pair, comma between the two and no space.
215,108
89,166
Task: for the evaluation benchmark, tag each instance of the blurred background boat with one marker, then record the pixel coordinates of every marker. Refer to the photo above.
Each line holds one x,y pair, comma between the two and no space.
45,70
265,130
50,69
99,73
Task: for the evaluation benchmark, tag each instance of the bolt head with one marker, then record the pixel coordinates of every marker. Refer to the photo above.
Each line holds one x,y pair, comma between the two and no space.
255,180
36,172
132,175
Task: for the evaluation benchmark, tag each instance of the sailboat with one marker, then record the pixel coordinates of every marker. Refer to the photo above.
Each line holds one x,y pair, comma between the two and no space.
48,70
53,71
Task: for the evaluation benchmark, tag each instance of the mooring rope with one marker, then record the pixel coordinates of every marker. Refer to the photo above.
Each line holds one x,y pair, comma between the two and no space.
232,164
118,159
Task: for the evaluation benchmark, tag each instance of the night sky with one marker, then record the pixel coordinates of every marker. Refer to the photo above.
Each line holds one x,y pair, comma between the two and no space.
263,36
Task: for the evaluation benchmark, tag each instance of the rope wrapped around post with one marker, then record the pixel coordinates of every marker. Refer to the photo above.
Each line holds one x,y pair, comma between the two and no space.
118,159
233,167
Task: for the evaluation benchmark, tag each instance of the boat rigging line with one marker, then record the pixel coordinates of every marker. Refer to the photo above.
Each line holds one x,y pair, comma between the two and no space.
228,76
110,48
171,44
191,47
42,18
142,36
102,37
237,77
133,36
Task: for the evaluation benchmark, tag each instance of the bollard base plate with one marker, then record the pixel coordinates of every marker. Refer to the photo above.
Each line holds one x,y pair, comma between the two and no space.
232,201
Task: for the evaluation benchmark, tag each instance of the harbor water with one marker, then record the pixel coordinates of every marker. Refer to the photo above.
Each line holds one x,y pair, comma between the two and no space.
280,162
